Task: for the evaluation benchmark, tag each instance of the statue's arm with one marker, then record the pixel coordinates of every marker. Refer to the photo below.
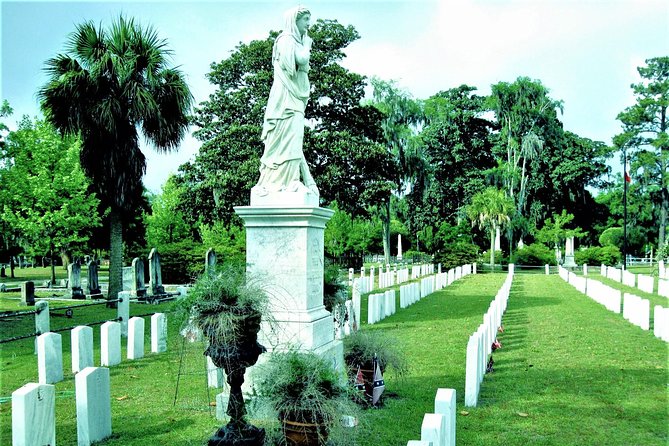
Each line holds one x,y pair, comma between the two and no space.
303,52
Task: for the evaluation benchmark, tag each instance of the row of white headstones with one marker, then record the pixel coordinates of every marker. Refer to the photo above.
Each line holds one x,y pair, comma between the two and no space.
438,428
382,305
33,405
479,346
634,309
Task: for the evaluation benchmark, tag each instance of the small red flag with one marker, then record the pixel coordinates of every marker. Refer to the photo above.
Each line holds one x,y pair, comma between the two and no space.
627,175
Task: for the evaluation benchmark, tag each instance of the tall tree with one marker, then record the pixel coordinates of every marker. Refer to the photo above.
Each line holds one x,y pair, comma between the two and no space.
645,134
109,84
8,234
402,116
458,147
523,109
340,143
44,191
490,210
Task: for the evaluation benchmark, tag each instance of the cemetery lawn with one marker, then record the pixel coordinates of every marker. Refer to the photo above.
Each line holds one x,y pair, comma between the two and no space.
569,373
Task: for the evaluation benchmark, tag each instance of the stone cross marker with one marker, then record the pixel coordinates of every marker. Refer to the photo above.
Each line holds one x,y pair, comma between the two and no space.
93,286
74,280
155,276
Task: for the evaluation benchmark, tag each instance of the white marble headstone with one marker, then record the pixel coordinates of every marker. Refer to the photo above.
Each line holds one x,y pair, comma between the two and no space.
136,338
444,403
34,415
158,333
93,399
433,429
110,344
82,348
50,358
215,376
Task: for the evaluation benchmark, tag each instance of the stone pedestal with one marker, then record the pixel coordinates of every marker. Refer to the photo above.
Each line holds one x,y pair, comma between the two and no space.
284,253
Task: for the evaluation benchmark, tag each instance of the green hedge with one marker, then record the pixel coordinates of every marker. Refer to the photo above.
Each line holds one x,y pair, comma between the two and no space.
536,254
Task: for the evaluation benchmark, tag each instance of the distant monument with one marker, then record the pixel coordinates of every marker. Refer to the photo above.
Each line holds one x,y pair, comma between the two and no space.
569,253
284,224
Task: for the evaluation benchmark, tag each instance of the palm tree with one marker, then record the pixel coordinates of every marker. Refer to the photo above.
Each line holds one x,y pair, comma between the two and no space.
109,84
490,209
402,116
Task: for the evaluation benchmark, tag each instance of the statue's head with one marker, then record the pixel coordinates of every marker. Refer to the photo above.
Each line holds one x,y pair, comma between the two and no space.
297,21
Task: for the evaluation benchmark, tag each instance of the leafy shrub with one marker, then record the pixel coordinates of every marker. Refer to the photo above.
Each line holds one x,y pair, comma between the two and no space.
596,255
612,237
457,254
485,257
536,254
180,262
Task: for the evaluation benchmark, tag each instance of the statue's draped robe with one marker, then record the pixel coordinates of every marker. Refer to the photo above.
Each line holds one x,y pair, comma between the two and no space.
283,127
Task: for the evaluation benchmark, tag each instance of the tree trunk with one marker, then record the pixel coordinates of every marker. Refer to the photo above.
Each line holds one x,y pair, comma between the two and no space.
53,267
385,220
115,254
493,234
663,217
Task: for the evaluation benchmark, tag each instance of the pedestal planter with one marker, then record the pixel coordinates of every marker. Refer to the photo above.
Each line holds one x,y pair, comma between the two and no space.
234,357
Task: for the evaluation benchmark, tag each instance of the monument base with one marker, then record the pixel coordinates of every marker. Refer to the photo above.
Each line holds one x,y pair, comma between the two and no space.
569,262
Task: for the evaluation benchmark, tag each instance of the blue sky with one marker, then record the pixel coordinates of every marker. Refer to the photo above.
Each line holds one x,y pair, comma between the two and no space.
585,51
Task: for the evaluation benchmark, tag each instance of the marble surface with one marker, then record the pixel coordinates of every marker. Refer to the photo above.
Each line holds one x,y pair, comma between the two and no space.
158,333
136,338
82,348
50,358
93,401
110,344
34,415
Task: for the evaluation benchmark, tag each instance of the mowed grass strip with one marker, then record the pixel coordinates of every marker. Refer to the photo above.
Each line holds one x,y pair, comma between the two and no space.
433,333
569,373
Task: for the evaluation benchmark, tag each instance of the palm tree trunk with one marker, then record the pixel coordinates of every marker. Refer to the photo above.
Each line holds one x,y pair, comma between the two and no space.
115,254
385,220
493,234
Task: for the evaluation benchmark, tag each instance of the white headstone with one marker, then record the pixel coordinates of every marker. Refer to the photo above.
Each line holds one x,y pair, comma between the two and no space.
158,333
433,429
123,311
82,348
419,443
214,375
444,403
50,358
136,338
93,405
222,406
471,372
110,344
34,415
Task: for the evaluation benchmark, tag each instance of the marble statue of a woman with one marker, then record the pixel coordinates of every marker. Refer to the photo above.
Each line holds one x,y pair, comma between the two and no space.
283,164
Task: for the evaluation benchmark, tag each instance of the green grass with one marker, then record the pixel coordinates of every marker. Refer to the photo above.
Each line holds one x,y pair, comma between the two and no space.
583,375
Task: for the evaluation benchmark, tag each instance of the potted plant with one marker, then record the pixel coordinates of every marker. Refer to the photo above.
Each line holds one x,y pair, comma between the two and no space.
360,350
307,395
228,309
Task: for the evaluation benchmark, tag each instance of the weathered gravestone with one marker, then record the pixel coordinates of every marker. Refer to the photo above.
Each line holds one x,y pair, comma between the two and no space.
2,271
137,286
127,278
155,276
27,294
93,286
74,280
210,260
